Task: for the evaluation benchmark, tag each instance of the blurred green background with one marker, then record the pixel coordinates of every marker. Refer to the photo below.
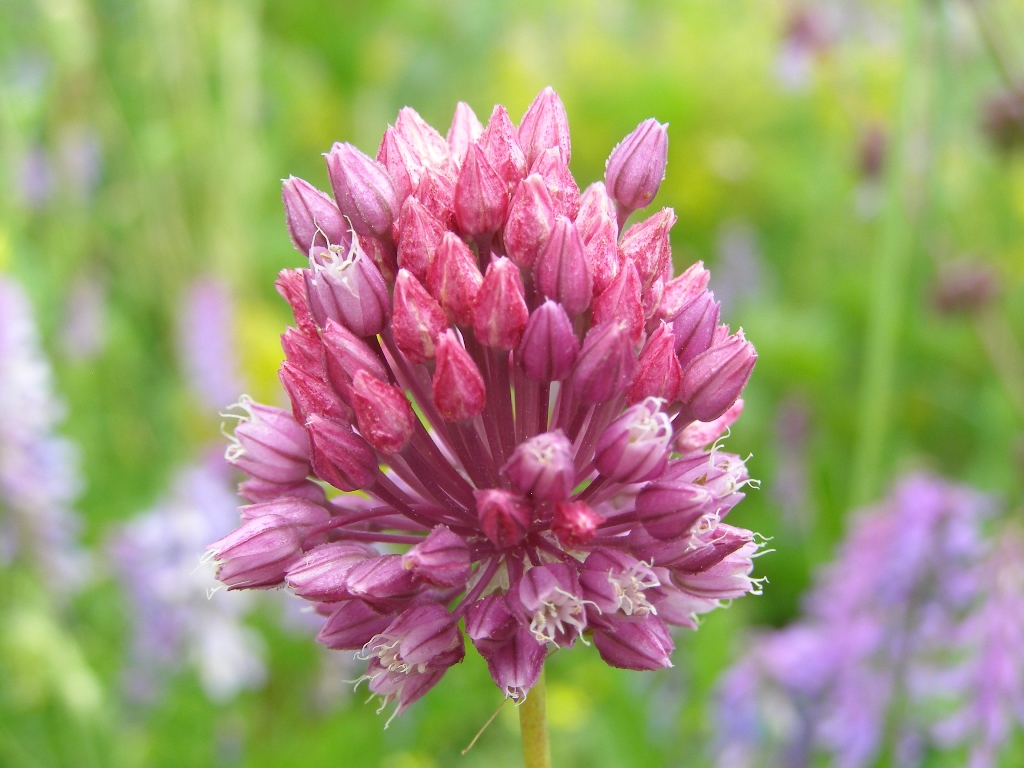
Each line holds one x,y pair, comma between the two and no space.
830,163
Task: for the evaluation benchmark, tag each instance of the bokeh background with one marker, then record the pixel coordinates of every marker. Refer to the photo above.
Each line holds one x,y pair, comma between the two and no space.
848,170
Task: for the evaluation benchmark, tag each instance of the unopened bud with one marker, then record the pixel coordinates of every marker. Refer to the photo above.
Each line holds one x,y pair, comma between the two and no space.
565,193
352,625
340,457
454,278
605,365
383,414
417,319
679,290
458,388
346,355
420,237
321,573
437,194
561,270
647,244
670,509
621,301
401,163
699,434
638,645
442,559
304,351
363,189
500,143
465,129
428,145
481,195
256,554
312,217
542,467
715,378
380,579
311,395
545,125
549,346
531,218
575,523
634,447
504,517
658,372
694,326
291,285
269,445
499,312
636,167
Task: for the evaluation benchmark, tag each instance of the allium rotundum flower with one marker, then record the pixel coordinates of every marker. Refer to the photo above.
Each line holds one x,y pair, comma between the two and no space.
910,644
497,378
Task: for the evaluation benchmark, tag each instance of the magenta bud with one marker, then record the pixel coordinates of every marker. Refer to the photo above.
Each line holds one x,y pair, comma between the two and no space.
542,467
670,509
419,238
383,414
621,301
561,269
504,516
561,186
257,553
442,559
291,285
427,144
712,548
417,319
616,582
437,193
304,351
699,434
499,312
380,579
321,573
352,625
652,298
604,257
345,355
638,645
363,189
382,255
658,372
545,125
490,622
500,144
647,244
481,195
596,207
310,395
259,491
635,446
694,326
679,290
349,290
465,129
269,444
425,636
454,278
635,168
305,515
715,378
605,365
312,217
531,217
549,600
458,388
515,663
340,457
401,163
549,346
575,523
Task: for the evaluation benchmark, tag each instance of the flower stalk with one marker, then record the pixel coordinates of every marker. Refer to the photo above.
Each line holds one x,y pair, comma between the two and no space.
533,727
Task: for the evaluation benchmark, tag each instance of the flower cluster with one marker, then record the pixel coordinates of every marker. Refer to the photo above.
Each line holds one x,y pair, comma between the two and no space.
910,644
509,388
39,474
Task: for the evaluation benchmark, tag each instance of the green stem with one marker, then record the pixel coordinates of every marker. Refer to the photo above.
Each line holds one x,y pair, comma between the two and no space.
533,725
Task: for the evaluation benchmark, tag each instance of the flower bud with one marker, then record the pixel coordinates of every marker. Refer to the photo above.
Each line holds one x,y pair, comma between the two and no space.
383,414
549,346
420,237
311,395
352,625
694,326
427,144
454,278
258,491
442,559
490,622
565,194
647,244
575,523
634,447
304,351
542,467
621,301
437,194
481,195
596,207
515,663
382,255
680,290
531,218
364,191
545,125
417,319
603,255
638,645
465,129
305,515
257,553
699,434
312,217
401,163
707,551
321,573
616,582
652,298
380,579
548,598
670,509
499,312
636,167
561,269
605,365
340,457
504,517
500,144
658,372
458,388
269,444
350,291
424,636
346,355
715,378
291,285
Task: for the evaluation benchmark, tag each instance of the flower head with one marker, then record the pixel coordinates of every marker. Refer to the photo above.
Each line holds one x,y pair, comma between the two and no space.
504,404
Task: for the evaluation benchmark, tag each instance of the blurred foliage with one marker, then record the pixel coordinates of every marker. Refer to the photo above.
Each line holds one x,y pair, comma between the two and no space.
198,108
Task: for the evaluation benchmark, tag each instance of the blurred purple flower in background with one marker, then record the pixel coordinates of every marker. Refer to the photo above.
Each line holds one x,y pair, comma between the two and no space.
35,178
208,345
84,330
39,470
919,614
